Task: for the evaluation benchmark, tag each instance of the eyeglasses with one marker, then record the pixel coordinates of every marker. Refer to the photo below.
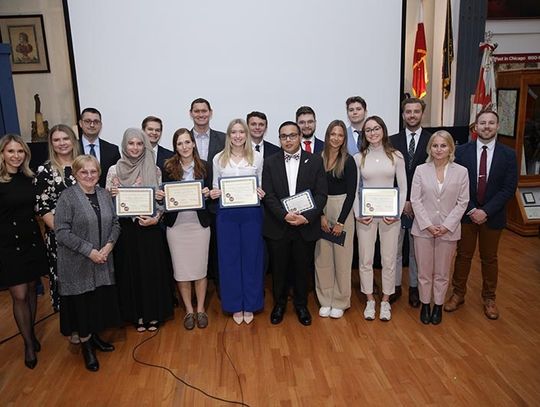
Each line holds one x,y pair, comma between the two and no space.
376,128
292,136
85,173
89,122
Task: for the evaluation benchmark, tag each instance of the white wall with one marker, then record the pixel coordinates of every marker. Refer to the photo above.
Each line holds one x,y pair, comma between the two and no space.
54,88
515,36
135,58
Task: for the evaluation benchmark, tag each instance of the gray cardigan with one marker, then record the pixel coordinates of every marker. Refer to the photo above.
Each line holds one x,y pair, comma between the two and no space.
76,229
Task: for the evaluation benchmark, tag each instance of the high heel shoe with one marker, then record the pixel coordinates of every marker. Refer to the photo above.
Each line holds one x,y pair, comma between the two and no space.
89,355
238,317
30,363
37,345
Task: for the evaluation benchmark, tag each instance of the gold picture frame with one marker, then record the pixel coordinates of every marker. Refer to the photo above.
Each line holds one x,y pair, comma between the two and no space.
26,35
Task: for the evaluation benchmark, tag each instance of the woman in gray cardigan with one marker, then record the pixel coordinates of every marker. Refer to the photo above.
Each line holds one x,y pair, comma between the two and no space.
86,228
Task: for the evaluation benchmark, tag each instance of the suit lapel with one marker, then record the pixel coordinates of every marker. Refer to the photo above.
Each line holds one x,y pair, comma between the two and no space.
302,168
281,171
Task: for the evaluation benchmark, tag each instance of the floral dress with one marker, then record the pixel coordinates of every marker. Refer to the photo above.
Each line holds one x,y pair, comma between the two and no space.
50,184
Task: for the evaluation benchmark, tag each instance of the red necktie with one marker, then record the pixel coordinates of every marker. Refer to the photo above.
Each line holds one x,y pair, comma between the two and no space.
307,143
482,177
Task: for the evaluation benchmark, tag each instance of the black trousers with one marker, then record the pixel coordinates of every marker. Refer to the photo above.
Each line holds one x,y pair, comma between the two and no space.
291,258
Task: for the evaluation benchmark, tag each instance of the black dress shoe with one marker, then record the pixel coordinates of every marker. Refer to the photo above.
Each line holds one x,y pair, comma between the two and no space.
436,315
100,344
277,314
425,314
414,297
30,363
89,355
397,293
304,317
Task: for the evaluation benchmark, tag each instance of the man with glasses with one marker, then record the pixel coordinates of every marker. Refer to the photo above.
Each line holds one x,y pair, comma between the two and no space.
291,235
305,118
90,143
412,142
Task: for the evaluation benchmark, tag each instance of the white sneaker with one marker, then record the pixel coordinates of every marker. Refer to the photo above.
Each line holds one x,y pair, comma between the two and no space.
336,313
386,311
324,312
369,312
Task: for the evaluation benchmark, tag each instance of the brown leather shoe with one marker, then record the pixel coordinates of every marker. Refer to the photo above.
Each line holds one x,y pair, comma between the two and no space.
189,321
202,320
453,303
490,309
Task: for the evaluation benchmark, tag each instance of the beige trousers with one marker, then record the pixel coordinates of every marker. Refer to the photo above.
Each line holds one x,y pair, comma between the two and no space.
367,235
333,262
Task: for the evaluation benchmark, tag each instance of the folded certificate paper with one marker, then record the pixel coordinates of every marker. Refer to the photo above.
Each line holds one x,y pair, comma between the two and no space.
299,203
340,240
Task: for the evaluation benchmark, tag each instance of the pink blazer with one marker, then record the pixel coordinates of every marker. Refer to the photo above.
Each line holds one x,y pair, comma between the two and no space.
445,207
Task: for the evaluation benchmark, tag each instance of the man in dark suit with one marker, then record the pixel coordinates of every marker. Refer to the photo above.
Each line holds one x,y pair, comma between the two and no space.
305,118
106,153
258,123
493,181
411,142
153,128
291,236
356,112
209,143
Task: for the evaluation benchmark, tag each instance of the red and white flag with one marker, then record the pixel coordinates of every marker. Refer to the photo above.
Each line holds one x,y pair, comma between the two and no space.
485,95
420,75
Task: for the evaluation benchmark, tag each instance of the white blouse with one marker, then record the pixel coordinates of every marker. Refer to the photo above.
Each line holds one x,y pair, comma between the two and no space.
240,169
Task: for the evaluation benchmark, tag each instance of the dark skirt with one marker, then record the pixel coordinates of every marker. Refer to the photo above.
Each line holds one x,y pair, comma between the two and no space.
143,273
91,312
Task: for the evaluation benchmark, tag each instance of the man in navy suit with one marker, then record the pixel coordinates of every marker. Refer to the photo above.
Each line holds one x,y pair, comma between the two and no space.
412,142
90,143
493,181
258,123
356,112
153,128
290,235
305,119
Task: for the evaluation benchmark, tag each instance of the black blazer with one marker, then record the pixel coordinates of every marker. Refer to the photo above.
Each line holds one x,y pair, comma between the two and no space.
162,155
399,142
319,145
311,175
269,149
501,183
203,214
108,156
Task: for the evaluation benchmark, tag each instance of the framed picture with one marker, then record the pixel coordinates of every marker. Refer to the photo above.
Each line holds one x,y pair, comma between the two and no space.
507,104
26,36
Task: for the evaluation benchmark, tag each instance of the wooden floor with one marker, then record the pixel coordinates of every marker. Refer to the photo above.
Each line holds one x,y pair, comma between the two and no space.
466,361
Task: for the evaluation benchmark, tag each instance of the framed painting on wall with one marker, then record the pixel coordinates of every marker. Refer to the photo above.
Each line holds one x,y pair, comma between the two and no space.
507,106
26,35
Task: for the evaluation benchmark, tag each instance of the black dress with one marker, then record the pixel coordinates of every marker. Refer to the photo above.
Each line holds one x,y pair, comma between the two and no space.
49,186
22,252
143,273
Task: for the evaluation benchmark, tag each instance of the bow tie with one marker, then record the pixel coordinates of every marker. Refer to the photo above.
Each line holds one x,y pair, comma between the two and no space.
295,156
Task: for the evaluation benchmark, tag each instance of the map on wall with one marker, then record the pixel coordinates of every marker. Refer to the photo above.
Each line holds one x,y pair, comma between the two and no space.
507,110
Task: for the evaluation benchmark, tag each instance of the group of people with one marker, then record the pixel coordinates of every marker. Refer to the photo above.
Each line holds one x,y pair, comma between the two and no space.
105,269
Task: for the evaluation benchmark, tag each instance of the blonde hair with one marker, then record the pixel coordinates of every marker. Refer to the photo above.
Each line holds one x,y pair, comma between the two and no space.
79,162
53,157
248,149
338,166
449,140
25,166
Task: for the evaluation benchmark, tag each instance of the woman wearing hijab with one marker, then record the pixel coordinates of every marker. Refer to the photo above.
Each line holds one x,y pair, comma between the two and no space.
142,266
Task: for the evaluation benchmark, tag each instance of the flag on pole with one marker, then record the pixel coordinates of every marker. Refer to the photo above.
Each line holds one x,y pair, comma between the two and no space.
485,95
420,75
448,51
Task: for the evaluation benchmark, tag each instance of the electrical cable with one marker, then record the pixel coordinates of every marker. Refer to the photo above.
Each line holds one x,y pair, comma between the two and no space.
18,333
241,403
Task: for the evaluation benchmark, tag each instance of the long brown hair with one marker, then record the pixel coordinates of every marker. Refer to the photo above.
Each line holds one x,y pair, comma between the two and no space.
338,166
388,149
53,158
173,166
25,166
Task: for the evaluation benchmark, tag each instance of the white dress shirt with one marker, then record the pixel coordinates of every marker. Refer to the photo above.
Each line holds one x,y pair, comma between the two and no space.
86,147
417,133
239,169
203,142
490,149
291,167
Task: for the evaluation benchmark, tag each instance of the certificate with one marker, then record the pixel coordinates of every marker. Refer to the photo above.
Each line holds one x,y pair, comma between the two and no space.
379,202
135,201
238,191
183,195
300,202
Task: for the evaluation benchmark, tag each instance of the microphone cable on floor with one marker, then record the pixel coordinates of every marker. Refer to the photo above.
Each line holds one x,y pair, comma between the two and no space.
18,333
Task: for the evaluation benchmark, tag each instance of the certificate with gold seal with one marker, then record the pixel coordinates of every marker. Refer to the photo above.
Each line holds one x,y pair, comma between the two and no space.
299,203
379,202
135,201
238,191
183,195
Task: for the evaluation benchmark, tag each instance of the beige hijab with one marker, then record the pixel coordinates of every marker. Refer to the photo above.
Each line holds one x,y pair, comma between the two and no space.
129,169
